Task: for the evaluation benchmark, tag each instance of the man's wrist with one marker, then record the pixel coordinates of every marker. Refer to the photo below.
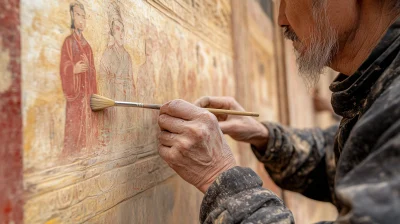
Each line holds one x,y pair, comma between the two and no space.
204,187
260,140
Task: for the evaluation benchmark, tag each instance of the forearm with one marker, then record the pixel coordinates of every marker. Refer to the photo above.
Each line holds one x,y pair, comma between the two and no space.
295,159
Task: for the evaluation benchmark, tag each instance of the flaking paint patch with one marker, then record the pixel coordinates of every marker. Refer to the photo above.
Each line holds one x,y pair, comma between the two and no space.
5,74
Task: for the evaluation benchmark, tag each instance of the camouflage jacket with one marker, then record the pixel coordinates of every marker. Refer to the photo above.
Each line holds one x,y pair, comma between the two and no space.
355,166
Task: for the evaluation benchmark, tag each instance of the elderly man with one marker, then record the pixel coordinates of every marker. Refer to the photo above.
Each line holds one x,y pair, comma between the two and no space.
355,166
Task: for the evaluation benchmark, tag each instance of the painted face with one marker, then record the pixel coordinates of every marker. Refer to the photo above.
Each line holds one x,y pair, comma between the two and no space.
118,32
79,19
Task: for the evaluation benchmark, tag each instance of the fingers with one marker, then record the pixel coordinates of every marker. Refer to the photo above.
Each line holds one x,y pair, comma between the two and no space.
80,67
171,124
181,109
167,138
170,155
82,64
228,103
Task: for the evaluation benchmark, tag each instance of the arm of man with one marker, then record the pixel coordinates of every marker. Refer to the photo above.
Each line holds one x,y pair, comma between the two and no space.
298,159
192,144
295,159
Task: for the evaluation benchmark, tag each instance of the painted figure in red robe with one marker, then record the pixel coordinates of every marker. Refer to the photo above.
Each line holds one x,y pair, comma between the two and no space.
78,77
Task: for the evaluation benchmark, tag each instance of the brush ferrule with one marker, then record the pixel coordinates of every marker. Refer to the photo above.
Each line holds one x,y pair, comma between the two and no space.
128,104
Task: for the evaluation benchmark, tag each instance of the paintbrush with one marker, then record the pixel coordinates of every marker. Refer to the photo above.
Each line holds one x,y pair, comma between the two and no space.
98,103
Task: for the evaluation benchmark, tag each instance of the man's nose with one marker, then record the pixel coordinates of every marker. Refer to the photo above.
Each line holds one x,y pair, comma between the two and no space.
282,20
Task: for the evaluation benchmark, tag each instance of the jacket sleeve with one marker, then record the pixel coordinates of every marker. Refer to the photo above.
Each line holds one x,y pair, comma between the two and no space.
297,159
237,196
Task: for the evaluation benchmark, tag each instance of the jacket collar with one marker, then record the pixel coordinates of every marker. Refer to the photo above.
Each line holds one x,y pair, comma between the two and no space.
350,92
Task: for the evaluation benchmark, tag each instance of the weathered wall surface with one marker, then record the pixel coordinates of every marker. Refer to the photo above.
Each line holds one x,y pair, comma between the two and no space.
103,167
11,201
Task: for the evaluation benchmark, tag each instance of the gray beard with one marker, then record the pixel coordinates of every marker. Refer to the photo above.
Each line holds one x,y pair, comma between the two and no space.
323,46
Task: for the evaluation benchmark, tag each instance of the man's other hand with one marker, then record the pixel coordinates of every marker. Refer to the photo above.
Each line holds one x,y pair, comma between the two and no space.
192,143
240,128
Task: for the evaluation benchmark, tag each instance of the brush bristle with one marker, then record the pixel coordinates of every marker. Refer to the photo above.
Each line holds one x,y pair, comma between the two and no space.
98,102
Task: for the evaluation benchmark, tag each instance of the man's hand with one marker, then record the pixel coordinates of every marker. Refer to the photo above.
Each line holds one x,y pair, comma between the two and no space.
192,143
240,128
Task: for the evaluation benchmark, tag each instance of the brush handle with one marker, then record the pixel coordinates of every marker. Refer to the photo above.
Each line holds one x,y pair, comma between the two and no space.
232,112
212,110
134,104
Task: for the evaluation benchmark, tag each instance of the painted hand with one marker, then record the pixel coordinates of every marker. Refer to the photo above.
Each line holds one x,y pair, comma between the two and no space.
192,143
80,67
240,128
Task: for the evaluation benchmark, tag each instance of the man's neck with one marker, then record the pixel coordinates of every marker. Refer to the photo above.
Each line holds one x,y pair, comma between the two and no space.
373,22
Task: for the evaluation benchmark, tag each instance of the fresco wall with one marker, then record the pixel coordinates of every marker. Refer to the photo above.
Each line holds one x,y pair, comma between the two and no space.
98,167
11,197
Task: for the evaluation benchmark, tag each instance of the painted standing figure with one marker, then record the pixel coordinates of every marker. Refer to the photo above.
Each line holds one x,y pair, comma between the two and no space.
78,78
117,82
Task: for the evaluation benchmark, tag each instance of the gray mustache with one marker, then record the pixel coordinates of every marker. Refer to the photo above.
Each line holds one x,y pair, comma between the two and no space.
290,34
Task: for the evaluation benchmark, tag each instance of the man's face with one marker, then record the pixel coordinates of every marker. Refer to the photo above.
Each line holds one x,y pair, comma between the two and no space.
118,32
79,18
317,28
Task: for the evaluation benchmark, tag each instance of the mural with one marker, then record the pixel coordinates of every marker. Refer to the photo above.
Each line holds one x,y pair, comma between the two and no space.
116,81
146,82
78,78
103,167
